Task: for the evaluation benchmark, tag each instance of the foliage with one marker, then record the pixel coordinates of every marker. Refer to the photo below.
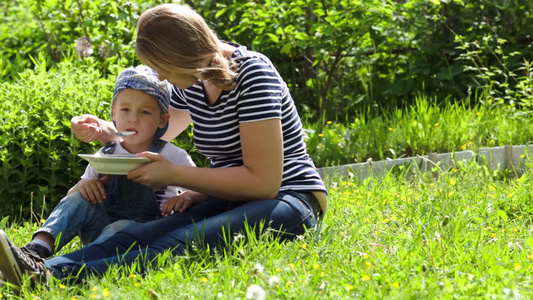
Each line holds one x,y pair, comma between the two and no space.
38,155
338,57
419,129
78,29
38,158
462,234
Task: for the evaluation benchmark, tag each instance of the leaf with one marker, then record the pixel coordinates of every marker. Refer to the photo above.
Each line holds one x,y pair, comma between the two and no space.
273,37
286,48
502,214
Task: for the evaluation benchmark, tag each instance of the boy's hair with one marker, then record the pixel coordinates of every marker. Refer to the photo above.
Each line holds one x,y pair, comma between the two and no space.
144,79
174,38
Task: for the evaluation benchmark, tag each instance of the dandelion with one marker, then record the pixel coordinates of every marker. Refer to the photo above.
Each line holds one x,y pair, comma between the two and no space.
83,47
451,193
136,284
329,122
93,296
396,285
368,265
274,281
517,267
204,280
321,135
288,283
292,265
317,266
106,293
463,147
492,188
258,268
94,289
62,286
304,246
510,195
452,182
365,278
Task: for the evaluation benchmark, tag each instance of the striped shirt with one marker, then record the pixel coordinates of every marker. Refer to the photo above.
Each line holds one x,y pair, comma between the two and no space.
260,94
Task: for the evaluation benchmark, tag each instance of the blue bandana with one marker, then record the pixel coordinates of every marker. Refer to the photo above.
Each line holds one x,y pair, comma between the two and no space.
144,79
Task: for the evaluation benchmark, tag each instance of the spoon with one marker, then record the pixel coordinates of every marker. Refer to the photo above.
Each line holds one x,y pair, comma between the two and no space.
117,133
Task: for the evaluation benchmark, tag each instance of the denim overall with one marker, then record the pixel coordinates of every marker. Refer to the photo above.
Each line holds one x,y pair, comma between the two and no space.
130,200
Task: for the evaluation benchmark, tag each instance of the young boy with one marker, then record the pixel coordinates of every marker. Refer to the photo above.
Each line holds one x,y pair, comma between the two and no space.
140,104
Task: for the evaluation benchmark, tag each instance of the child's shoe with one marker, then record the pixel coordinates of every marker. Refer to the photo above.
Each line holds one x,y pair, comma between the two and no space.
13,261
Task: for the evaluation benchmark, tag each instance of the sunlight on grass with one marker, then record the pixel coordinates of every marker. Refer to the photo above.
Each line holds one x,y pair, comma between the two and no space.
462,233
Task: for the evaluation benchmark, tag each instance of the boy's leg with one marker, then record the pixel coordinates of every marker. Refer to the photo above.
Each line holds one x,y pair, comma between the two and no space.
71,217
287,217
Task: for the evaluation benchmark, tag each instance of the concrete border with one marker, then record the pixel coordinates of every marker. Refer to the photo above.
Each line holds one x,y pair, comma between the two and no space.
513,158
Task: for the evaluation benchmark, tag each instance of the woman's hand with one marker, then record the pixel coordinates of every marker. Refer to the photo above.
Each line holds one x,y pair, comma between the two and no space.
155,174
88,128
182,202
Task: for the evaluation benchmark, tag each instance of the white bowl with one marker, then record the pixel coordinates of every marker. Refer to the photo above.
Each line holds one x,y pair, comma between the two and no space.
114,164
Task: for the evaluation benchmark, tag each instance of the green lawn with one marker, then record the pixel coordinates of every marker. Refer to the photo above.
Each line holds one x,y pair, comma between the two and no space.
462,233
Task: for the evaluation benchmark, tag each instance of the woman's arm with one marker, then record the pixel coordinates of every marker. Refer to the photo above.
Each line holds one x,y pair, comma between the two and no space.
83,127
259,178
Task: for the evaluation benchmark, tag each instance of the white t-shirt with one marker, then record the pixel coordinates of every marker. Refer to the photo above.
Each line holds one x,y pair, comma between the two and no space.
174,154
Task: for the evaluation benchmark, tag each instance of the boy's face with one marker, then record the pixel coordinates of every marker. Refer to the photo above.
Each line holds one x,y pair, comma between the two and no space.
137,111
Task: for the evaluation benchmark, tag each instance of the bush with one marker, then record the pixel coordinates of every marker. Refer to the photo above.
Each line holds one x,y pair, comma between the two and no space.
38,158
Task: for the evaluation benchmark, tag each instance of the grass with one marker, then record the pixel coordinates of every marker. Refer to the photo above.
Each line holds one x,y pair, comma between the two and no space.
419,129
461,233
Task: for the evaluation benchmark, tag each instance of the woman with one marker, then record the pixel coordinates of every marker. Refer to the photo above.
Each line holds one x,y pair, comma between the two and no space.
244,121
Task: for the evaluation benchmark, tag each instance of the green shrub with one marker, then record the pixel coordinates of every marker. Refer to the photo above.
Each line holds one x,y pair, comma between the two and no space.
38,158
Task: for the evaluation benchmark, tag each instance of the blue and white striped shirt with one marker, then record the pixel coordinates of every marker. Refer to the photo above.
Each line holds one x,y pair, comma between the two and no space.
260,94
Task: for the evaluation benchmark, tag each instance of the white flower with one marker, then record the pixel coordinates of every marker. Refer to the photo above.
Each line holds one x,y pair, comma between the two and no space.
83,47
258,268
255,292
274,281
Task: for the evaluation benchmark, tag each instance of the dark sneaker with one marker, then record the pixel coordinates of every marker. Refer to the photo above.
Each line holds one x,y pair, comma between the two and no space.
14,261
8,264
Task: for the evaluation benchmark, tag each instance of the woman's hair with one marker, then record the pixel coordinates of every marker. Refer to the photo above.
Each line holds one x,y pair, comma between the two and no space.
174,38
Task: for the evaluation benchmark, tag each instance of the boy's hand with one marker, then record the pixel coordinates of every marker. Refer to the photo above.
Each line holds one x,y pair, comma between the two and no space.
182,202
93,190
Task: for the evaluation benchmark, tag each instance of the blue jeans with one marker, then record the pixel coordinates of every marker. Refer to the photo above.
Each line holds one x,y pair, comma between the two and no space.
75,216
289,214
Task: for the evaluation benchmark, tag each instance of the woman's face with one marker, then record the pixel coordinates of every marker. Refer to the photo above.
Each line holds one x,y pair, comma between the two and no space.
181,80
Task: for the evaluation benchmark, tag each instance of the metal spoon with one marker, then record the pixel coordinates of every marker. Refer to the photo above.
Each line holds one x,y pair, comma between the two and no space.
117,133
